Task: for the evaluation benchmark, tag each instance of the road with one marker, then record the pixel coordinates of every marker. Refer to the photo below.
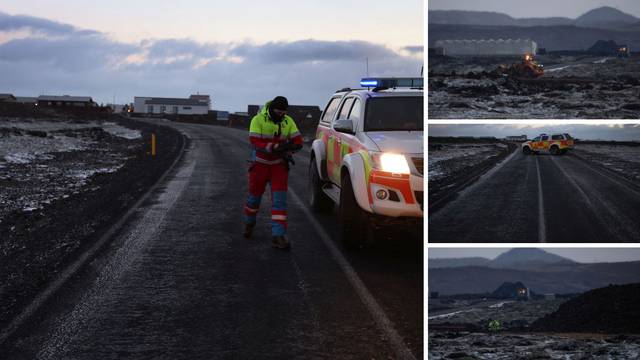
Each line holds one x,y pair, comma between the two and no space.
541,198
180,282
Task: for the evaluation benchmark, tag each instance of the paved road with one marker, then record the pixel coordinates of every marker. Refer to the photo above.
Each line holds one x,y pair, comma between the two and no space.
542,198
179,281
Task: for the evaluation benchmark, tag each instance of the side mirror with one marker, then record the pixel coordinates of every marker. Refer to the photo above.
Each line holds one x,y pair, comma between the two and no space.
344,126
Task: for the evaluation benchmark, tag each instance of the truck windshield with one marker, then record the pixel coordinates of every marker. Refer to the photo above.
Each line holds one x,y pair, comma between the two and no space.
395,114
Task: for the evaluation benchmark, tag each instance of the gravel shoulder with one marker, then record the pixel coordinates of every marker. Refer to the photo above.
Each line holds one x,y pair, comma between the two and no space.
453,166
62,186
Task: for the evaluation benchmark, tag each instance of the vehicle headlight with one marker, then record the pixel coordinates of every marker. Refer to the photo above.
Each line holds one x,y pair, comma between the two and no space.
389,162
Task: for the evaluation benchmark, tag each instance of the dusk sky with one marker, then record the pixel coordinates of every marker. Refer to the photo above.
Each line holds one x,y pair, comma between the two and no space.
538,8
585,255
239,52
616,132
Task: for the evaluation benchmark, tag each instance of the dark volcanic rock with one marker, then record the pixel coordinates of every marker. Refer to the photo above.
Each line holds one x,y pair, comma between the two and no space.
613,309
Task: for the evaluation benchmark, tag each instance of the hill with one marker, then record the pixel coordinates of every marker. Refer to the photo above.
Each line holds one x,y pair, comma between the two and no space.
519,258
560,278
561,37
612,309
603,17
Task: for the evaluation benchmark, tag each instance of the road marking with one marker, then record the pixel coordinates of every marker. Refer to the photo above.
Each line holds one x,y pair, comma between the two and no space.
583,194
73,268
608,176
542,230
136,238
623,223
381,319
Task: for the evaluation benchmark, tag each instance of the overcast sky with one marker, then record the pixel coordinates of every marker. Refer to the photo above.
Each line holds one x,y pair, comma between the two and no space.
586,255
240,52
537,8
585,132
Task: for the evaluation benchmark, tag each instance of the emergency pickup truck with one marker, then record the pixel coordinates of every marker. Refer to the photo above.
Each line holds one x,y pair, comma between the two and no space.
368,157
555,144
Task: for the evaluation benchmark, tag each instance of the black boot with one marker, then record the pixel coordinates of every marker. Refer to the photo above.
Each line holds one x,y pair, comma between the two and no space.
280,242
248,230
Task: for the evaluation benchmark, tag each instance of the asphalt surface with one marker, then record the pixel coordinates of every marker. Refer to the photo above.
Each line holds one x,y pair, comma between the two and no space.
180,282
542,198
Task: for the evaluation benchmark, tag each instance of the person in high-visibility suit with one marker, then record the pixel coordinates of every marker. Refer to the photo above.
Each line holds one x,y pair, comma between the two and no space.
274,137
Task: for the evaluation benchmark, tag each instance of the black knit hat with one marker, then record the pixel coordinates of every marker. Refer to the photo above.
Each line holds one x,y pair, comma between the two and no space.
280,103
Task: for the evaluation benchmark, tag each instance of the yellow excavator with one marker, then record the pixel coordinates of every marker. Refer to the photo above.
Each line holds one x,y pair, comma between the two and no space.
528,68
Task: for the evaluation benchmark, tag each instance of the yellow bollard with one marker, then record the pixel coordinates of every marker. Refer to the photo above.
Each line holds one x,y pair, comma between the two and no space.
153,144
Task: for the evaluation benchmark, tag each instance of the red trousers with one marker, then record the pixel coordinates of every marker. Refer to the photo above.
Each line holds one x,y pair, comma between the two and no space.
277,175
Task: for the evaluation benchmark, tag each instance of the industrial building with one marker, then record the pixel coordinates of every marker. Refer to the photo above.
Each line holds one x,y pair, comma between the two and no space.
489,47
65,101
194,105
516,138
7,98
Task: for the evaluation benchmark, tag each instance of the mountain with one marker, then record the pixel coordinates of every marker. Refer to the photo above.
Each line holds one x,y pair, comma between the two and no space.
604,17
458,262
528,258
567,37
461,17
519,258
559,278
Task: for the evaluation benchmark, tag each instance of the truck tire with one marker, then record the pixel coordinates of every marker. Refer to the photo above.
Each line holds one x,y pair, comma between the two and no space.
555,150
318,200
526,150
353,219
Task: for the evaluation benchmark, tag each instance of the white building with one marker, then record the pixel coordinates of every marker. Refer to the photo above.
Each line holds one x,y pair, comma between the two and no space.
487,47
194,105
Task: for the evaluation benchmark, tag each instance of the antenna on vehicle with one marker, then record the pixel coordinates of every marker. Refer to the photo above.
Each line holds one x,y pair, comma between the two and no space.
367,66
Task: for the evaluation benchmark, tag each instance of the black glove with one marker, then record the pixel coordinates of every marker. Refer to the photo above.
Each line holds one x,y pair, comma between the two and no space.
286,146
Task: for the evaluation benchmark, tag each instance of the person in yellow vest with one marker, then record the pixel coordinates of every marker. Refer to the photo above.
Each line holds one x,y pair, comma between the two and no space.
274,136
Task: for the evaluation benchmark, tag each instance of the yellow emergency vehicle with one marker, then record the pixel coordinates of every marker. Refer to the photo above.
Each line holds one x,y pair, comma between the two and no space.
555,144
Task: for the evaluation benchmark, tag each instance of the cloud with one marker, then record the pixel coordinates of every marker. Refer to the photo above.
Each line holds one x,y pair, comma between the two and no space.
86,62
312,50
35,24
414,49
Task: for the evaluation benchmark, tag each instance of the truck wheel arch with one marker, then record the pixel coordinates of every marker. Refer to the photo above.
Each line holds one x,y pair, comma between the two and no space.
318,152
353,164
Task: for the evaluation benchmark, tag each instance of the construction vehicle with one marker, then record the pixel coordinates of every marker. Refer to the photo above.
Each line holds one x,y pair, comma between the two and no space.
528,68
624,51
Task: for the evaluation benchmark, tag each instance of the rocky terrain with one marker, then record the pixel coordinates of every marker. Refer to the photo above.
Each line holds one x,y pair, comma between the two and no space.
453,164
512,314
572,87
63,182
614,309
622,159
508,346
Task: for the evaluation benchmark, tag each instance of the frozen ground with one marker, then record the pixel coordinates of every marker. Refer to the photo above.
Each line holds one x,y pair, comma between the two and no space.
515,316
531,346
42,161
620,158
453,164
445,159
572,87
511,314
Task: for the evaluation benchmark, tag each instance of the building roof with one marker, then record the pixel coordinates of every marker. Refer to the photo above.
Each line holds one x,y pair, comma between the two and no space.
174,101
5,96
65,98
26,99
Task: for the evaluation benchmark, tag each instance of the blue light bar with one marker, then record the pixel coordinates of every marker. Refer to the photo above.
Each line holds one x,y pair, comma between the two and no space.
392,82
369,82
